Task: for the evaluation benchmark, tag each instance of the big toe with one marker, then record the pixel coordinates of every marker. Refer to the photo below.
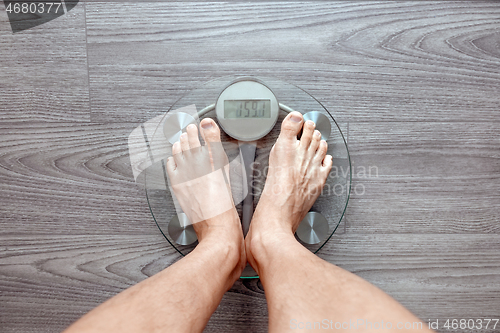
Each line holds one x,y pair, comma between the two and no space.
209,130
291,126
211,134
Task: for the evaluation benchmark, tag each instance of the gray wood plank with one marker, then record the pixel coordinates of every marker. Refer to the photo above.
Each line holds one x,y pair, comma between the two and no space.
48,281
424,178
70,178
43,73
433,275
367,61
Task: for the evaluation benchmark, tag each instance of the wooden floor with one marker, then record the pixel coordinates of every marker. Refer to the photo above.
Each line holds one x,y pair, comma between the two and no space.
416,84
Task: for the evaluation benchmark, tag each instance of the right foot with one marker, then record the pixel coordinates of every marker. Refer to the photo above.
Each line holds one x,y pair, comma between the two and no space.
297,173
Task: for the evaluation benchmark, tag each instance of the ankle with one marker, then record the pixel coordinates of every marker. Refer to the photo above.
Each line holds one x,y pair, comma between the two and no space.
224,228
270,220
228,251
262,247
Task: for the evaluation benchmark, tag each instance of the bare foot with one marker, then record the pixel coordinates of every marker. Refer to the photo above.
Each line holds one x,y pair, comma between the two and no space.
199,176
297,173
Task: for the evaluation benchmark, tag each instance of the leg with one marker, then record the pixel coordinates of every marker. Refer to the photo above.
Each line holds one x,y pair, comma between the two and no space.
182,297
300,287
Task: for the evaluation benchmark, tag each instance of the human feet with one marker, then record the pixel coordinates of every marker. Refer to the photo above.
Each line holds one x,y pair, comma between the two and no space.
297,173
199,176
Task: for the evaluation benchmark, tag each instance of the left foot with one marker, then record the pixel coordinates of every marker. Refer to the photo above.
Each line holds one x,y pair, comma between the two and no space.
199,176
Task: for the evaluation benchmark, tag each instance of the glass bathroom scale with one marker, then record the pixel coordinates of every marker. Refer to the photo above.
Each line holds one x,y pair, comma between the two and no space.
249,111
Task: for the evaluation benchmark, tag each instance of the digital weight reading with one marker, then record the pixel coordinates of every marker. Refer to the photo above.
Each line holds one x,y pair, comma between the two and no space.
247,108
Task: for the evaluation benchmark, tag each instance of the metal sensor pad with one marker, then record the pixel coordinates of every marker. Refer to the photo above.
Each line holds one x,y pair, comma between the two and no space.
175,124
313,229
181,230
321,121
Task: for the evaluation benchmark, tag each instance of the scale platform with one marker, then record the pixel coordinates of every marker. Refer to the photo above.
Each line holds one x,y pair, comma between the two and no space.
151,144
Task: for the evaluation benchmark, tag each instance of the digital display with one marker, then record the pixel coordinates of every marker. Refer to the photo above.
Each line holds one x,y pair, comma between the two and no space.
255,108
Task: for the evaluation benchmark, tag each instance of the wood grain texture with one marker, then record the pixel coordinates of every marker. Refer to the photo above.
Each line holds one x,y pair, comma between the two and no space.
70,178
425,177
370,61
414,85
43,71
49,281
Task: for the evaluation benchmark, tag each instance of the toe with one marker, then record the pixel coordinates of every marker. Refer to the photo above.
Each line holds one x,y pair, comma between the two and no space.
307,134
291,126
184,142
176,148
321,152
171,166
177,151
210,131
316,138
326,166
211,134
327,162
192,133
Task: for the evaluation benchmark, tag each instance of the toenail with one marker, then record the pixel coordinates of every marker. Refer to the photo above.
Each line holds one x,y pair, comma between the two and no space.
207,125
184,135
317,134
295,118
310,123
191,126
